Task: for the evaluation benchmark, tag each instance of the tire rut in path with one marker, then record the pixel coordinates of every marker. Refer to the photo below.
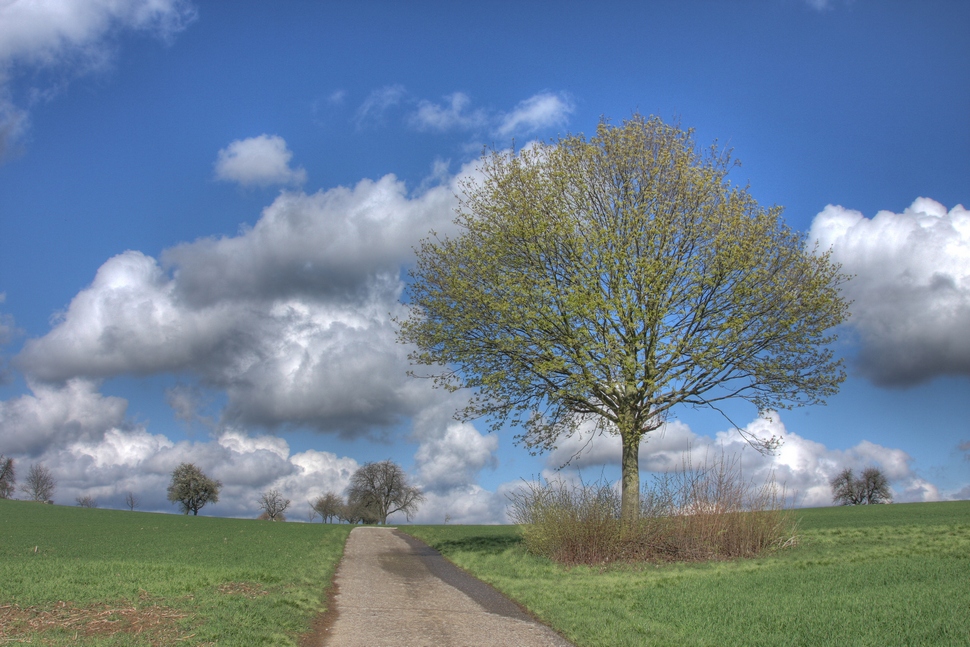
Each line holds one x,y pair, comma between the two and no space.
393,590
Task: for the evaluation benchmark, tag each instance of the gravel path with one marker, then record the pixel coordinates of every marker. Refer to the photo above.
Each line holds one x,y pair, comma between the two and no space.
393,590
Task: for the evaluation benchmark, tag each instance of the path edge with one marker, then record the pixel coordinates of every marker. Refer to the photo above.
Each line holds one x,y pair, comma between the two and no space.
321,622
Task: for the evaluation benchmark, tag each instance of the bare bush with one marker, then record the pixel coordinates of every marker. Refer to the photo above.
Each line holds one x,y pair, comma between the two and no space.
570,523
699,513
86,501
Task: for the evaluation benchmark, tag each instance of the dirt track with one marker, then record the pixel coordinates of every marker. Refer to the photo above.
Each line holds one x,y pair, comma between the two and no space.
393,590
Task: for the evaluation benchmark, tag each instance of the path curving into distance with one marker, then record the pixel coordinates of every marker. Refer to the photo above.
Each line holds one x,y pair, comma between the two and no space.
395,591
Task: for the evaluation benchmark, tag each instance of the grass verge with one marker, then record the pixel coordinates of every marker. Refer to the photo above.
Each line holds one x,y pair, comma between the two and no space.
107,577
871,575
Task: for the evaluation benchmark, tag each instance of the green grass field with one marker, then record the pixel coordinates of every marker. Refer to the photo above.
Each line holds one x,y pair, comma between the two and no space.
106,577
879,575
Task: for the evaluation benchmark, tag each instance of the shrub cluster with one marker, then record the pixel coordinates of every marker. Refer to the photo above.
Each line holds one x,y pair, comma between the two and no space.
697,513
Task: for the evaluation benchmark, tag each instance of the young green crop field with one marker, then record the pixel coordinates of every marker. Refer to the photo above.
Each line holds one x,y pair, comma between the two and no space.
81,576
879,575
870,575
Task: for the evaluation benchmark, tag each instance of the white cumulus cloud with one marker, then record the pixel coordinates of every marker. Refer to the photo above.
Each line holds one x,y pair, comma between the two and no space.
910,287
258,161
47,31
455,457
291,318
53,415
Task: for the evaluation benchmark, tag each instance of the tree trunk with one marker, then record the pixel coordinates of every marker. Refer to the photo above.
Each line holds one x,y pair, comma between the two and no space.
630,471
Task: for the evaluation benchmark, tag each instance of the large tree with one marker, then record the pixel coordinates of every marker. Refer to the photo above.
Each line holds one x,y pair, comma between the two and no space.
380,489
192,489
612,279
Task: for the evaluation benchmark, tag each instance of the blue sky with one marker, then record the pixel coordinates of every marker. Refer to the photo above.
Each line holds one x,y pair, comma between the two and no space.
207,211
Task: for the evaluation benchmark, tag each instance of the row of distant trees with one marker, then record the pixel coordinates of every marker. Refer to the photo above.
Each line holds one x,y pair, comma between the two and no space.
376,491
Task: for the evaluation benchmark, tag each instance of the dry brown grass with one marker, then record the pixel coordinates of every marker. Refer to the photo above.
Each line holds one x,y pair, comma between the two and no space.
245,589
157,624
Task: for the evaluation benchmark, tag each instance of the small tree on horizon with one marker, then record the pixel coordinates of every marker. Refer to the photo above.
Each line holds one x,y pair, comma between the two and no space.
86,501
870,488
8,477
191,489
131,500
39,484
273,505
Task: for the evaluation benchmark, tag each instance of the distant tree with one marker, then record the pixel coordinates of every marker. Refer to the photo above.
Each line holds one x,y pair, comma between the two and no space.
380,489
273,505
328,506
192,489
131,500
8,477
86,501
870,488
39,484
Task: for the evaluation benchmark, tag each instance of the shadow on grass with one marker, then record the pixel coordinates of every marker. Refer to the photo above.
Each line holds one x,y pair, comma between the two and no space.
479,544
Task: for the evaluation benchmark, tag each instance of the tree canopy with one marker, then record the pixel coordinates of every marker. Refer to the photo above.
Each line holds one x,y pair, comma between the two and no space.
192,489
612,279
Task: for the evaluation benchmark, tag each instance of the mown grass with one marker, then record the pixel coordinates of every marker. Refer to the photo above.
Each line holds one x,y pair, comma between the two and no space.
875,575
107,577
